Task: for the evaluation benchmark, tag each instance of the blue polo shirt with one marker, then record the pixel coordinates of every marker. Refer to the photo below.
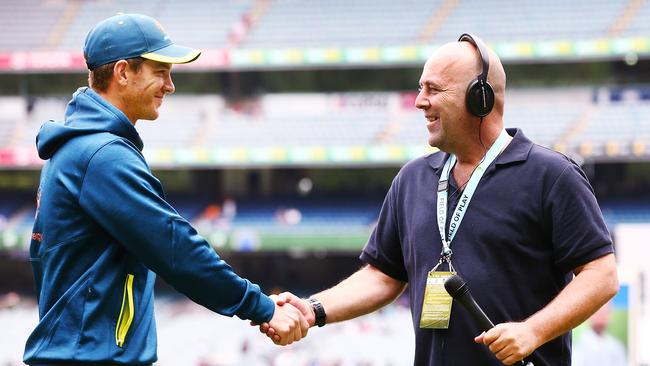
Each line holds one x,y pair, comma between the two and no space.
531,221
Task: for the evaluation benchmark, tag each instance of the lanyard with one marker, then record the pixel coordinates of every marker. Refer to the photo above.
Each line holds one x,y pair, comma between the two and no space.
461,208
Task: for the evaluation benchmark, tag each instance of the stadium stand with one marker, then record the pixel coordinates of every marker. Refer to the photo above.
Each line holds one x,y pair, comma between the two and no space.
13,115
339,129
529,20
639,19
26,25
627,112
43,109
62,25
91,12
313,213
210,21
547,122
213,23
340,23
184,120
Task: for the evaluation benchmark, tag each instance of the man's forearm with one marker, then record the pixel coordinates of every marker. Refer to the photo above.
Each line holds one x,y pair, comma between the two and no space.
362,293
595,283
365,291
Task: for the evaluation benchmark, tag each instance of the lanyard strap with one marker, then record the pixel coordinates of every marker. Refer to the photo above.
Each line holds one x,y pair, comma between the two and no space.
461,208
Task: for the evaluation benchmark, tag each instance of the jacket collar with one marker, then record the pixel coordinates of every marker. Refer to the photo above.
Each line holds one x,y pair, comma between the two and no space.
121,125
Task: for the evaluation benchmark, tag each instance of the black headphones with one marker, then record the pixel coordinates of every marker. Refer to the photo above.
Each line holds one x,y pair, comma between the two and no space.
479,97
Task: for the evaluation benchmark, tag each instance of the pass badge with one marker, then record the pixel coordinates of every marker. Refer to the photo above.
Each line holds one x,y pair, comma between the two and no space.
436,307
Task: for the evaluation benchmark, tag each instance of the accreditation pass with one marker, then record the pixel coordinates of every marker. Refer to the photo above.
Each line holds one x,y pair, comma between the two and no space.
436,307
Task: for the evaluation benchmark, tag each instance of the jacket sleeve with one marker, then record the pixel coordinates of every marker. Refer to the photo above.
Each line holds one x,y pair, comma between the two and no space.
121,195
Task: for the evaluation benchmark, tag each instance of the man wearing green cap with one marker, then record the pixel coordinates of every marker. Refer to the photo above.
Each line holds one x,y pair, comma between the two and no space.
103,226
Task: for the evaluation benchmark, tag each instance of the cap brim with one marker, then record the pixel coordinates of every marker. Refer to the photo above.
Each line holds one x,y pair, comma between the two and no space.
173,54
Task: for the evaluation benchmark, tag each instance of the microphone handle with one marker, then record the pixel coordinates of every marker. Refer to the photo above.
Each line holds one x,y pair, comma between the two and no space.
476,312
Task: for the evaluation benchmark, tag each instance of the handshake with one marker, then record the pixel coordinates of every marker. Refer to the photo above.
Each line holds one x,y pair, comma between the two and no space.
291,320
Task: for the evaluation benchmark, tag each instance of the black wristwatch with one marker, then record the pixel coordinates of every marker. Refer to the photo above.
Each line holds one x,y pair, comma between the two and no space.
319,311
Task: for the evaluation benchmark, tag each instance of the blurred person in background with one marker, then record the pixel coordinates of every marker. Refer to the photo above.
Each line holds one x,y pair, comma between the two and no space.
103,226
517,221
9,300
597,348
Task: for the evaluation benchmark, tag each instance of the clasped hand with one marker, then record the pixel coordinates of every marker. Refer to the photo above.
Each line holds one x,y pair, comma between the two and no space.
288,324
291,319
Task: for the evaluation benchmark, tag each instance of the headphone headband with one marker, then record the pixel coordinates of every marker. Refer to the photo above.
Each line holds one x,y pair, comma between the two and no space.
479,97
482,51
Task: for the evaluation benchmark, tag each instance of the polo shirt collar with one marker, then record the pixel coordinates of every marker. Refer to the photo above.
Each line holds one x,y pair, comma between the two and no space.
516,151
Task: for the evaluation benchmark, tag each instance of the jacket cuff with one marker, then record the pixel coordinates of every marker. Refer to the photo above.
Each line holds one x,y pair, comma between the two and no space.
264,310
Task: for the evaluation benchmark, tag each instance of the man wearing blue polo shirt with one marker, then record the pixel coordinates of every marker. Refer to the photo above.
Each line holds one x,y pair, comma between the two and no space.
517,221
103,226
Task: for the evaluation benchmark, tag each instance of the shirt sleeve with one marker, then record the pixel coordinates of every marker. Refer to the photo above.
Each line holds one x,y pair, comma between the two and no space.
124,198
383,249
577,227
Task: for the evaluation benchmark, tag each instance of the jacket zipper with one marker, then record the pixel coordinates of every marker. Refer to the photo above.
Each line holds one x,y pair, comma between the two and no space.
127,312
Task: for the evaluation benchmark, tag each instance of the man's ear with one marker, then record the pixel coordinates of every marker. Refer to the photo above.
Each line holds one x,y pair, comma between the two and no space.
120,72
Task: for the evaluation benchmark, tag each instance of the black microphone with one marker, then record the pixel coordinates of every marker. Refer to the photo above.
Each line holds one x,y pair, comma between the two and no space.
458,289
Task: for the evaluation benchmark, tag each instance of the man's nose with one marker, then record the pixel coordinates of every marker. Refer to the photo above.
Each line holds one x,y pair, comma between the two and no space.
421,102
169,86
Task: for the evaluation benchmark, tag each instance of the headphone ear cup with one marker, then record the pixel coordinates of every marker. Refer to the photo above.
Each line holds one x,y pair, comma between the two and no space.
479,98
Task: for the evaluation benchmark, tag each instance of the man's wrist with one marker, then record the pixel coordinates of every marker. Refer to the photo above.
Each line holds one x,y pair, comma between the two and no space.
310,317
537,331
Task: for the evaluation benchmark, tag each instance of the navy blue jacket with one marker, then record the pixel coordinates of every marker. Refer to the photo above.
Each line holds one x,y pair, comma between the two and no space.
102,227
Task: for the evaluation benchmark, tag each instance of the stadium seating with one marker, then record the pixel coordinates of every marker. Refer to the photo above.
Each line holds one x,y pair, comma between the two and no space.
183,121
506,21
14,113
291,23
639,23
547,115
616,126
324,130
203,23
62,25
329,212
43,109
26,25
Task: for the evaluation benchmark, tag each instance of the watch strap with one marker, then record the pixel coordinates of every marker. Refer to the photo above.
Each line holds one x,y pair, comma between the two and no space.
319,311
